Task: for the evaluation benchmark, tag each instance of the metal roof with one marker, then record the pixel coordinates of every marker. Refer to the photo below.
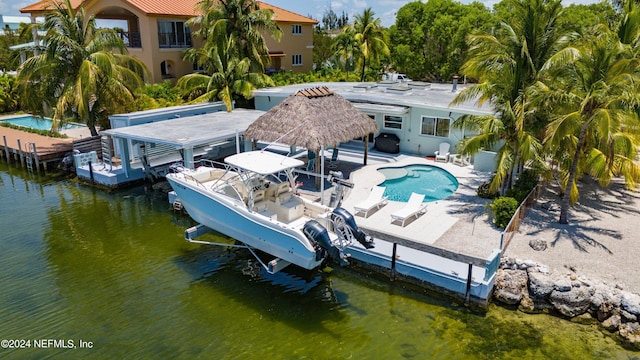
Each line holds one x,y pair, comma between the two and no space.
190,131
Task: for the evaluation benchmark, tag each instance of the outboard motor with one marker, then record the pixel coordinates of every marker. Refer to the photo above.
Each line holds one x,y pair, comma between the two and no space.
364,239
318,234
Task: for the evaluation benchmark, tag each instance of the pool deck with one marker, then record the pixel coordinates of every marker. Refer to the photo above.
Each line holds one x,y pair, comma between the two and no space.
48,148
458,223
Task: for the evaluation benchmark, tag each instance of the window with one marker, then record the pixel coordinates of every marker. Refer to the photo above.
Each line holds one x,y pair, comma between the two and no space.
198,68
296,29
393,122
173,34
296,60
435,126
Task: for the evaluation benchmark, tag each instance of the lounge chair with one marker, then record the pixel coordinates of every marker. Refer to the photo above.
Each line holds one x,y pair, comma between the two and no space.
460,159
443,153
375,200
414,207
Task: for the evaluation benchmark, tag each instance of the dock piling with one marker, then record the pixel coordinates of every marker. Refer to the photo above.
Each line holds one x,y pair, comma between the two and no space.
6,148
20,153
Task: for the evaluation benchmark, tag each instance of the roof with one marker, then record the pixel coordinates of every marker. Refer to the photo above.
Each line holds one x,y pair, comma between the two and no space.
312,118
263,162
363,95
190,131
173,8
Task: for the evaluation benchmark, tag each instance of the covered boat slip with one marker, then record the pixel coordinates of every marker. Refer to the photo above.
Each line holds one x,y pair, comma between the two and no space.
149,148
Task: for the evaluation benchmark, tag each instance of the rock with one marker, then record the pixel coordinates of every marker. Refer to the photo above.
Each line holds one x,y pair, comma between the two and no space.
627,316
631,303
576,284
631,333
529,264
538,244
584,319
540,285
562,285
510,286
571,303
612,323
527,305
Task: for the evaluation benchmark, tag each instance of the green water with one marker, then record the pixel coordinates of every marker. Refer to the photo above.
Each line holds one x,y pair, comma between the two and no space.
113,269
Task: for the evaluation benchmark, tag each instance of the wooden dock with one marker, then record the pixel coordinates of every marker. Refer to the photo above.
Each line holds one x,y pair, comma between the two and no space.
17,146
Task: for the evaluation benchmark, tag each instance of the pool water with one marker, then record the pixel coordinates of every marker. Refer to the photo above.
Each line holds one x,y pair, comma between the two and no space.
434,182
39,123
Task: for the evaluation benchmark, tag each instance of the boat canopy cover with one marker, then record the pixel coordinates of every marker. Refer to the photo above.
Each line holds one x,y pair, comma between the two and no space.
263,162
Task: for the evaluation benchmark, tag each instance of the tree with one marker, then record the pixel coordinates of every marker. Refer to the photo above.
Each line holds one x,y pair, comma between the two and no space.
229,75
506,63
322,50
591,87
346,47
428,40
83,71
371,39
242,18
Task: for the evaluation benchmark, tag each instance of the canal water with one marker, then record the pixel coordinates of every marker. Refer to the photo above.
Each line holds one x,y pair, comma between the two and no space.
90,274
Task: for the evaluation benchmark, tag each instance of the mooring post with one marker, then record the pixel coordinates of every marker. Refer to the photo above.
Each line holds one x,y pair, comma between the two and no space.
467,296
6,148
20,153
35,157
90,171
393,262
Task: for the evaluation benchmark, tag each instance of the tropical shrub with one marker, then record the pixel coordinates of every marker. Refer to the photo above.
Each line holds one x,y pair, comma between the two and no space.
503,209
526,182
484,191
8,93
153,96
48,133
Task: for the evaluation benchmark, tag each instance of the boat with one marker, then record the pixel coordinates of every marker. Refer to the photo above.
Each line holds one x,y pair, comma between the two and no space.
253,198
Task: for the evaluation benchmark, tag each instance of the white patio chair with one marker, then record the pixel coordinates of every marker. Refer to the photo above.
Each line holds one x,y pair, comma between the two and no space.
414,207
461,159
375,200
443,153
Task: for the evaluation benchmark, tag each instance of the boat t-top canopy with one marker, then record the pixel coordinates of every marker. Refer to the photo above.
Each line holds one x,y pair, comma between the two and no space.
263,162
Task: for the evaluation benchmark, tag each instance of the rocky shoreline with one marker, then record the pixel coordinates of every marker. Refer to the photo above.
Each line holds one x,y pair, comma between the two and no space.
534,288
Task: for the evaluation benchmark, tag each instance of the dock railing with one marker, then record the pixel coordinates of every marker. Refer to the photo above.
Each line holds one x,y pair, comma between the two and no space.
521,212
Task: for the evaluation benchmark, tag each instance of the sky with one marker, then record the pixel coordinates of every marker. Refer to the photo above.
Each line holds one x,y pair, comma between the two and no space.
384,9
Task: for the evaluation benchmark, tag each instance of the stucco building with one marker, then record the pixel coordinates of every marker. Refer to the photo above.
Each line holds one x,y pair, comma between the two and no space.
155,32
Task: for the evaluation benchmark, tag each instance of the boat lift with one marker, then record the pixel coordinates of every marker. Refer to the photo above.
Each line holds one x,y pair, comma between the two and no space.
194,232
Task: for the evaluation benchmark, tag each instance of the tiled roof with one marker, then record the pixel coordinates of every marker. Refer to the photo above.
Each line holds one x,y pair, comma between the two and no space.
174,7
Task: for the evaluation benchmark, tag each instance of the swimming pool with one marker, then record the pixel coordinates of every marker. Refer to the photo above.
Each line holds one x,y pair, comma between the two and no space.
434,182
39,123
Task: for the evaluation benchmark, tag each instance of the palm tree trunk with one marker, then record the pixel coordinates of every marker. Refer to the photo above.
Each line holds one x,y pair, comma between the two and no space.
566,197
364,63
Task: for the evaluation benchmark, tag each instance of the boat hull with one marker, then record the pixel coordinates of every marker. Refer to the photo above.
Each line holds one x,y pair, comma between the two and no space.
232,218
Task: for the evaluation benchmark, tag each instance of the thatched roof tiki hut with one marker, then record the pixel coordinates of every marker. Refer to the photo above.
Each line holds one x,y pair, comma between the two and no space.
314,119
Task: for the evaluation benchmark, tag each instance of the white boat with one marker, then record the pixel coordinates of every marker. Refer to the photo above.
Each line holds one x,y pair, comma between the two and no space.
254,199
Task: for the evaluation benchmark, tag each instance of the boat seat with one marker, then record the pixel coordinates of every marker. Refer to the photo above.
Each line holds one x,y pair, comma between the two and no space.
205,176
283,192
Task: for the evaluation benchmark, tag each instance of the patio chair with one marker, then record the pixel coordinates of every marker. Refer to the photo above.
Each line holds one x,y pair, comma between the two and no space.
312,162
414,207
461,159
375,200
443,153
333,163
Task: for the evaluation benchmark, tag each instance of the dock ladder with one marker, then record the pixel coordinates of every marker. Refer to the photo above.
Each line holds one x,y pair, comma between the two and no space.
29,155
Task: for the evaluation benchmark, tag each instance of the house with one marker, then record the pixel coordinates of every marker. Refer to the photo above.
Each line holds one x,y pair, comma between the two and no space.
12,22
155,32
419,114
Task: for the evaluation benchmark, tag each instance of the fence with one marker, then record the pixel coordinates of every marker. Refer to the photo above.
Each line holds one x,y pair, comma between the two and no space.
521,212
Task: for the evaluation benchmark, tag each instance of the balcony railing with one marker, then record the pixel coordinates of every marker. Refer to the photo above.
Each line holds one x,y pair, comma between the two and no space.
131,39
173,40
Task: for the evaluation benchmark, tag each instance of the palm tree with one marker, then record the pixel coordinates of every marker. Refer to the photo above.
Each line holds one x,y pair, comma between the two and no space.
242,18
506,63
83,71
229,75
346,47
592,88
370,36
